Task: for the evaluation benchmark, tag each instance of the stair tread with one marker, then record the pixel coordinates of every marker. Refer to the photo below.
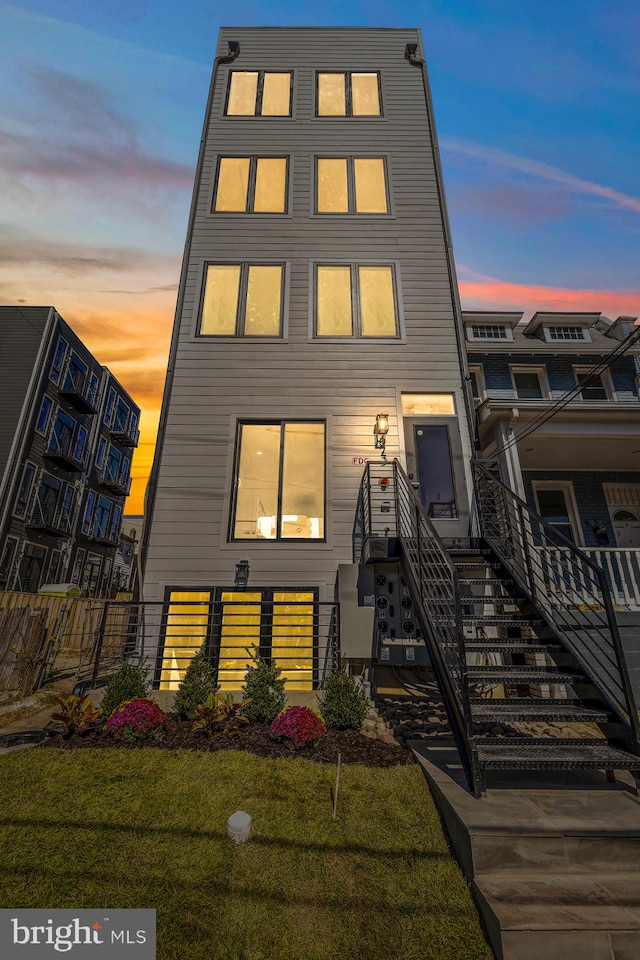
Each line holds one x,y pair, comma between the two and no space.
514,755
512,646
513,670
538,709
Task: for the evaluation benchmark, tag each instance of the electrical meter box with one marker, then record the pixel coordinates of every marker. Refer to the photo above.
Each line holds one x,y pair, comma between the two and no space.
397,638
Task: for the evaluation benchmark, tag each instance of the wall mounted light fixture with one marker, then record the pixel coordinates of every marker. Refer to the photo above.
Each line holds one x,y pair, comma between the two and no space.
242,574
380,430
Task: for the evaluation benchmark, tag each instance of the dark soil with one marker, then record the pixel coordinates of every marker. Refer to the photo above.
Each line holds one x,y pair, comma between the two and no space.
353,747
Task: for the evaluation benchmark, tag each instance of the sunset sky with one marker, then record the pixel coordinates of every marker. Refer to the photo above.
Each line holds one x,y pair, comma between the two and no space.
537,109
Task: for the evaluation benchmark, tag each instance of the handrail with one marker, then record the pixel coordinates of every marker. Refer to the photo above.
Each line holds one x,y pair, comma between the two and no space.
433,580
570,591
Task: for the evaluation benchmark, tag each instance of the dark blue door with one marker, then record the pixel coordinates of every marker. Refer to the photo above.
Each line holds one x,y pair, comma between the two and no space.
435,471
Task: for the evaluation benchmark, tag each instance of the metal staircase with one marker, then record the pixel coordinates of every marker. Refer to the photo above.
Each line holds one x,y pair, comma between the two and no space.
525,648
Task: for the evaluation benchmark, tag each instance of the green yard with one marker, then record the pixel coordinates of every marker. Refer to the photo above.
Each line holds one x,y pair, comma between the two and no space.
127,828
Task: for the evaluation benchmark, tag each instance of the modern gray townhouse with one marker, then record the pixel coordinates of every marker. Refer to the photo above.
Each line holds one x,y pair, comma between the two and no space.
67,434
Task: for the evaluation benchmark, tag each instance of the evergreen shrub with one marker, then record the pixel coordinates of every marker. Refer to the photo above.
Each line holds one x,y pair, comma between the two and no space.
129,683
342,702
263,695
198,682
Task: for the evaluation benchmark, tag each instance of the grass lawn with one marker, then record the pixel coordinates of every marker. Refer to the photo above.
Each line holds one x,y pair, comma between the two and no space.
147,828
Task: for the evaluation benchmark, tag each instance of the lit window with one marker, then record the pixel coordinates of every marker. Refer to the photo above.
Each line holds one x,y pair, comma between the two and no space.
258,93
251,185
428,405
242,300
355,300
351,185
349,94
280,482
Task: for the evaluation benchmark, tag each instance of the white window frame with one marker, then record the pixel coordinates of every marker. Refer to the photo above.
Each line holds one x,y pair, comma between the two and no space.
477,369
605,378
479,323
586,336
539,369
572,507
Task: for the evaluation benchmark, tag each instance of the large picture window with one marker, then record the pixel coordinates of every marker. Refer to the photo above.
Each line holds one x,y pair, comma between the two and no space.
251,185
259,93
355,300
242,300
349,94
279,481
351,185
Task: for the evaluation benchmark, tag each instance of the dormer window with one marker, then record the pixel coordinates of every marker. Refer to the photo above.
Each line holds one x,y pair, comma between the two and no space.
489,331
554,333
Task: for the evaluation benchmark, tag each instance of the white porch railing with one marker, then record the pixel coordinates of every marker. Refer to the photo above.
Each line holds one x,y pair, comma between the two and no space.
621,566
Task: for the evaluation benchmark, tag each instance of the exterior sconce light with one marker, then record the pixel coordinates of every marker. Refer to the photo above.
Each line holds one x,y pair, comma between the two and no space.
242,574
380,431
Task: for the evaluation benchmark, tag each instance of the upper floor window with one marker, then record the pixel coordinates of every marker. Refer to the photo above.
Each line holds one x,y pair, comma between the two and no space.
356,300
349,94
279,481
44,416
351,185
251,185
566,333
242,300
476,376
529,383
489,331
593,386
109,406
24,492
259,93
58,360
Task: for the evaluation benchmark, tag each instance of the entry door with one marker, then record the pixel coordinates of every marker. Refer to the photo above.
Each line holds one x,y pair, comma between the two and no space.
435,465
626,525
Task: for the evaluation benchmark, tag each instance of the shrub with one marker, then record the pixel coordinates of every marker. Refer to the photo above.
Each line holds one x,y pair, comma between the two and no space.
198,682
219,715
76,714
298,727
342,703
129,683
263,695
137,720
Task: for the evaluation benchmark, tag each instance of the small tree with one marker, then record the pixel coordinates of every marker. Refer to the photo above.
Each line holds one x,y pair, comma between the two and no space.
263,689
342,703
198,682
129,683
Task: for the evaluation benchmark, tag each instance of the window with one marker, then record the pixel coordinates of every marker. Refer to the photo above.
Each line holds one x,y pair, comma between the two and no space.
529,383
251,185
54,567
555,505
594,386
242,300
30,568
476,375
428,405
566,333
100,527
109,406
42,423
112,468
121,417
77,566
351,185
24,493
75,376
489,331
279,482
349,94
58,360
102,446
88,514
8,561
258,93
355,300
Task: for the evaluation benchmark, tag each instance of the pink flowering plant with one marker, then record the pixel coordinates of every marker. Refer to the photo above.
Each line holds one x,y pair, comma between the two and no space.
137,720
298,727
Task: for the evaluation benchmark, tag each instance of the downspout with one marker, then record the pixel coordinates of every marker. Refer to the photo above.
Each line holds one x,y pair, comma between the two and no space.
150,496
410,54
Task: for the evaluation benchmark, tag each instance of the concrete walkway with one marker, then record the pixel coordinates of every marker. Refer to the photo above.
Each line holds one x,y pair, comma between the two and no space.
554,862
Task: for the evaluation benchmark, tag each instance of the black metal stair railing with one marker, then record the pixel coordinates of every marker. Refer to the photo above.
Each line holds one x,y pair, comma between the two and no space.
567,588
389,507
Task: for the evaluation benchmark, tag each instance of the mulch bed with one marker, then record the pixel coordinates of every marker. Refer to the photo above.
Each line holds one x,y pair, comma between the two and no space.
352,746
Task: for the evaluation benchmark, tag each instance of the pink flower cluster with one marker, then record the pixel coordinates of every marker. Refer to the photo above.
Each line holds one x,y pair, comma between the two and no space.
298,727
136,720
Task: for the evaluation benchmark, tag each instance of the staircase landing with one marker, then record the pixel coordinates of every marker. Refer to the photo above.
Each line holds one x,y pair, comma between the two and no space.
553,859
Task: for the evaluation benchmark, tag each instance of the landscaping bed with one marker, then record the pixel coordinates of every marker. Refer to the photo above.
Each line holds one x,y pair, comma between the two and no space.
352,746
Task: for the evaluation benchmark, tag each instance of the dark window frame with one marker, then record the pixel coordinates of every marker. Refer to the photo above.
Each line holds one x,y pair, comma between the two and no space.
42,427
348,114
351,184
58,360
251,185
356,318
24,496
257,114
282,422
241,300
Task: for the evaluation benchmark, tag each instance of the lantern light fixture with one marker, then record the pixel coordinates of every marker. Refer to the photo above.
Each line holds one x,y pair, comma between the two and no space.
381,429
242,574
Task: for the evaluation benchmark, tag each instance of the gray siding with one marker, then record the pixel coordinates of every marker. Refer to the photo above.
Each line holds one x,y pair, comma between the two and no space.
216,381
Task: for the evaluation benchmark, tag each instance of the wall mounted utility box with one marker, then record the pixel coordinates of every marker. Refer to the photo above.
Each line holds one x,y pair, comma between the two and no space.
356,615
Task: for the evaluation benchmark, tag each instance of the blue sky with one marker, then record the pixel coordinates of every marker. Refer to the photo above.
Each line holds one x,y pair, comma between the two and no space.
537,110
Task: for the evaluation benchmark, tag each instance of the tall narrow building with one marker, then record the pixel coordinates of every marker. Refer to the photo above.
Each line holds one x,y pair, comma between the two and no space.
317,297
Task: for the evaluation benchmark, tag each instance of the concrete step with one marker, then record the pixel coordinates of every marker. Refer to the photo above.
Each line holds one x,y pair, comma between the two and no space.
561,917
